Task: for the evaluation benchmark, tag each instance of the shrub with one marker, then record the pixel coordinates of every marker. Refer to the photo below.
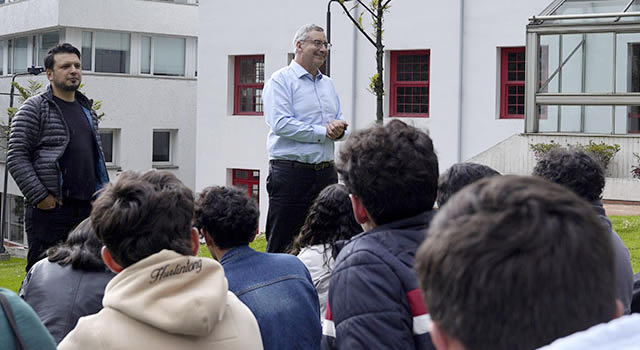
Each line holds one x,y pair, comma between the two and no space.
603,153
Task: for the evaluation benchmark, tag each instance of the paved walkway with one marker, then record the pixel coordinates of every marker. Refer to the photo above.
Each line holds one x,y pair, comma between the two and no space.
622,209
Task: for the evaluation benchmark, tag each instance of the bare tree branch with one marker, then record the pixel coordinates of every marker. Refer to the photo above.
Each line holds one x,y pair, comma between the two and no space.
355,22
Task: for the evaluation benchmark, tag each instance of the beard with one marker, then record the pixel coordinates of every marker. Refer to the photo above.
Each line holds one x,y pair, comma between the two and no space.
67,87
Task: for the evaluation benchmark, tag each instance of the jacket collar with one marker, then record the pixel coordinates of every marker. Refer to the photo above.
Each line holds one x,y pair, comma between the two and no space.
238,252
415,223
80,97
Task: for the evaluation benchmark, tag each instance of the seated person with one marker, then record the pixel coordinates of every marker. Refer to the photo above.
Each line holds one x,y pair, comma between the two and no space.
68,284
20,327
330,219
458,176
391,173
620,334
276,287
515,262
580,173
163,296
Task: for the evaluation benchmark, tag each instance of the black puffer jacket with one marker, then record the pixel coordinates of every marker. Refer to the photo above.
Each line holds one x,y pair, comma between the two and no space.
39,136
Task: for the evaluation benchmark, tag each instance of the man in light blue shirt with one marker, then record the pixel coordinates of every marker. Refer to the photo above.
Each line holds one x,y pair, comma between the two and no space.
302,109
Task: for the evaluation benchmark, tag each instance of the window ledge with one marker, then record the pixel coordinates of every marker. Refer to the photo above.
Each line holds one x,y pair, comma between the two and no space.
114,167
142,76
578,134
165,166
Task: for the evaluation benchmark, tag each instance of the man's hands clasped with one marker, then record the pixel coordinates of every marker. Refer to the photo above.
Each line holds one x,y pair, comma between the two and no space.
336,128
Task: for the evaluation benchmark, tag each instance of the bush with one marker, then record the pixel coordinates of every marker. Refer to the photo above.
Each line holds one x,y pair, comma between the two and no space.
603,153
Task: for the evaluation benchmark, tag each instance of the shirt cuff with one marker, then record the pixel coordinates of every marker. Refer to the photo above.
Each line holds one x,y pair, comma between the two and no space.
319,133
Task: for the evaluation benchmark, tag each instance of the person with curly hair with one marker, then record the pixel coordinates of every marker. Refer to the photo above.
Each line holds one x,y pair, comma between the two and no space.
391,173
276,287
582,174
70,283
330,219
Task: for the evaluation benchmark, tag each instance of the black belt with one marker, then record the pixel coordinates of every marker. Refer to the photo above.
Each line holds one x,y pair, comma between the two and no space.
300,165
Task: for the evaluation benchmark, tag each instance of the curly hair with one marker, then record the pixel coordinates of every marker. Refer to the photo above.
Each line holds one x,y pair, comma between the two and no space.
228,215
393,169
141,214
515,262
574,169
330,219
458,176
81,250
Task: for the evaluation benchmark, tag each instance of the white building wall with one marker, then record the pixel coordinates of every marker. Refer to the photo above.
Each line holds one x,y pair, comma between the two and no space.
225,141
133,104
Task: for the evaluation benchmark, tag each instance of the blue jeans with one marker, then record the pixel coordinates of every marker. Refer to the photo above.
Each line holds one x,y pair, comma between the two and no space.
292,187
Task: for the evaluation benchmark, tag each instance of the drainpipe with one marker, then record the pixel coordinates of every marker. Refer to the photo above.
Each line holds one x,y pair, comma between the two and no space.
460,68
354,67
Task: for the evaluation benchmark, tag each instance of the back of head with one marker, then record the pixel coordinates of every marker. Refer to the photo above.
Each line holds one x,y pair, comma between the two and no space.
228,215
458,176
330,219
573,169
514,262
143,213
393,169
81,249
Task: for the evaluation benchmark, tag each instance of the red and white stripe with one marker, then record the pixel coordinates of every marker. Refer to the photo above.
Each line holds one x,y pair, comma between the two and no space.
421,318
328,327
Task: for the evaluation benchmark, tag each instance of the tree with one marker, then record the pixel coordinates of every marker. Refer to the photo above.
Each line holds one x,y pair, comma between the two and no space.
376,9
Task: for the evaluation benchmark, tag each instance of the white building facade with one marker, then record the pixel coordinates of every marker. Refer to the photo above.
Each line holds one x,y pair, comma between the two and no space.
467,57
139,59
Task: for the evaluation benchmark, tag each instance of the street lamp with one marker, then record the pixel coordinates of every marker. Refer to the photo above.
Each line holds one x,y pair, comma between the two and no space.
33,70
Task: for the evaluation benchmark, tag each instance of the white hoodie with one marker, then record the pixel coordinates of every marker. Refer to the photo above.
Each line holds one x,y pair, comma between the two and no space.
620,334
168,301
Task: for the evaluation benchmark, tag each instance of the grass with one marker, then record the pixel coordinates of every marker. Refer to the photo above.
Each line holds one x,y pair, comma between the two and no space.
628,227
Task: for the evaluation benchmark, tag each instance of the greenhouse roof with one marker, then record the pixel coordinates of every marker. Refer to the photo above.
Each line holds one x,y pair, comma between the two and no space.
589,11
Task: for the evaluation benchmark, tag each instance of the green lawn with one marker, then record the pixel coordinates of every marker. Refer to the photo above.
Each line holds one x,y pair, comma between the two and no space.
628,227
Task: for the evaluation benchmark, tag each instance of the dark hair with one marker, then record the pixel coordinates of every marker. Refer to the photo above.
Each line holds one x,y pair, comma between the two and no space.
81,250
60,48
330,219
228,215
393,169
574,169
142,214
514,262
458,176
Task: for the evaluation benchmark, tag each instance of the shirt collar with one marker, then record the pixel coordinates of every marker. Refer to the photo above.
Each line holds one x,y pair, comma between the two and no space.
300,71
235,253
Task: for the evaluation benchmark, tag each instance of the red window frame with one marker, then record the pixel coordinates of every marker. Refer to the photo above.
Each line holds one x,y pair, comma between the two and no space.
394,83
247,183
505,83
239,85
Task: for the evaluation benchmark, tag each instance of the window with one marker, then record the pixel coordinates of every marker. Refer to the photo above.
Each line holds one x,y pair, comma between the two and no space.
249,181
106,52
409,85
512,65
163,144
109,139
41,45
162,56
14,220
17,53
1,57
248,81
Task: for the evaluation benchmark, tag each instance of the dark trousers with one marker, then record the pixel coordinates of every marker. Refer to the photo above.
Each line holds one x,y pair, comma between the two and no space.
292,187
46,228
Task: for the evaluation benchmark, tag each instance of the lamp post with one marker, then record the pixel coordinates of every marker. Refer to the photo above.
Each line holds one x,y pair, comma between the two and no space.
328,60
33,70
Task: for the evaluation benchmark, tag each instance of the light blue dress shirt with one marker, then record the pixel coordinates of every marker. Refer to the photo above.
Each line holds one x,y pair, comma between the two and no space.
298,108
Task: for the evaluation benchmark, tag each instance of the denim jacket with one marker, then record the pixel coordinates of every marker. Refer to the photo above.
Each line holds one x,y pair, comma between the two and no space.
277,288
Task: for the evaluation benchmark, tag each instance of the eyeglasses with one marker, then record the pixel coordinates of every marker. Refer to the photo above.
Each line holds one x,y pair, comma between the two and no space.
320,43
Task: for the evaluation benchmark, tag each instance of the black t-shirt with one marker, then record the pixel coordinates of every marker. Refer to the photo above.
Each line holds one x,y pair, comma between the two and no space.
78,161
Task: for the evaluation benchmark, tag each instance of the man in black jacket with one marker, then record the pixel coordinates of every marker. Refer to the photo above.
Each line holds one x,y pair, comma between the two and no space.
55,155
